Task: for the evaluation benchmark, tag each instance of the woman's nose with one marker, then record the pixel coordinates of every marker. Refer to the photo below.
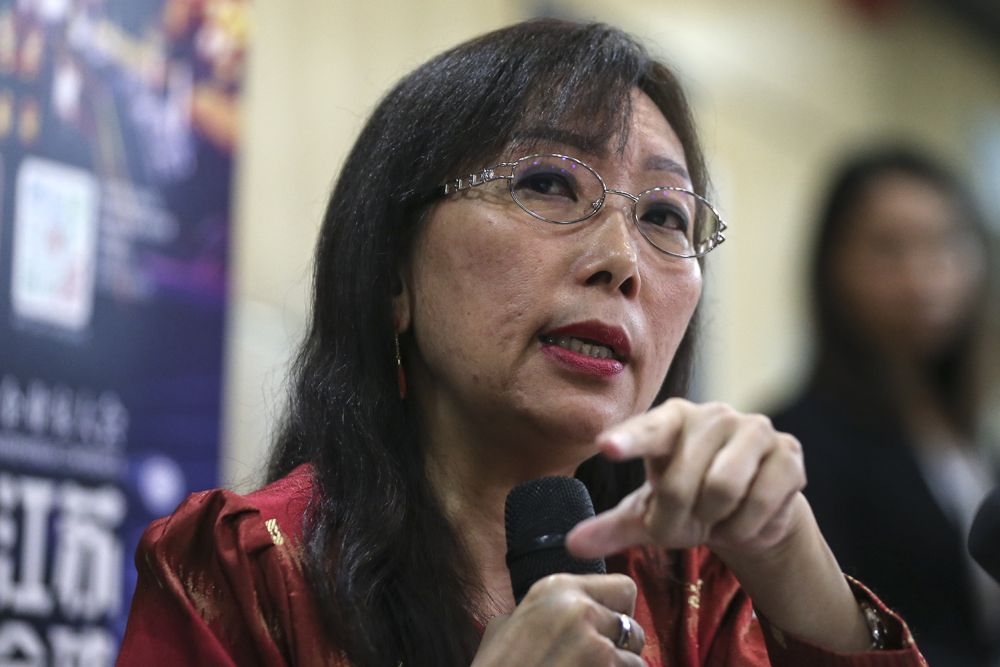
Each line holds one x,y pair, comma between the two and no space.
611,258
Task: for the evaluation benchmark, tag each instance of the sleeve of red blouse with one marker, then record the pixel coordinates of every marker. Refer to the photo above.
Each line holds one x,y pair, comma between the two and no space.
785,650
730,633
196,600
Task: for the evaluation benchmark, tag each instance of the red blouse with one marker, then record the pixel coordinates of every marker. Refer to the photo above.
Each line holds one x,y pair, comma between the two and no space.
221,583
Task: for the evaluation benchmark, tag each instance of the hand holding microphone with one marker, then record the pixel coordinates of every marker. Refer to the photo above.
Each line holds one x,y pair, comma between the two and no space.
569,612
714,477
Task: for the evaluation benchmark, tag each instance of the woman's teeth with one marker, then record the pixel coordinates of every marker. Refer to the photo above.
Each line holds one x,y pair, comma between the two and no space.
580,347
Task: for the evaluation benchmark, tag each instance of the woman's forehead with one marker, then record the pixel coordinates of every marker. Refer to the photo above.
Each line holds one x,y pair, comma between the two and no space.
643,152
640,133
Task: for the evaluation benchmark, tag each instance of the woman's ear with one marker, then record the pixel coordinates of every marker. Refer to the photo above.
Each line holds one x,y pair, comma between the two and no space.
401,302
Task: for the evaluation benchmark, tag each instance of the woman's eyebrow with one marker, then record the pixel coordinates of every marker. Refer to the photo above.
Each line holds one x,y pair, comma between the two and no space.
581,142
594,146
663,163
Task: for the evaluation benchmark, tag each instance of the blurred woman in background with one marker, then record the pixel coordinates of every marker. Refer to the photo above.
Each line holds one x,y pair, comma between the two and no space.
888,420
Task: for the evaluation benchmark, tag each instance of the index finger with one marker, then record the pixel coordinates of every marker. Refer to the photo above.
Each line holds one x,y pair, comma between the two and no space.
617,592
649,434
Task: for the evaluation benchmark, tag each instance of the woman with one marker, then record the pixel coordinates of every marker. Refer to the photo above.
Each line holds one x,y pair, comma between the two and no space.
485,346
888,421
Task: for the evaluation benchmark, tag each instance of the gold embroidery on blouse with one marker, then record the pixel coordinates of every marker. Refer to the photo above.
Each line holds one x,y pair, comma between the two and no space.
694,594
275,532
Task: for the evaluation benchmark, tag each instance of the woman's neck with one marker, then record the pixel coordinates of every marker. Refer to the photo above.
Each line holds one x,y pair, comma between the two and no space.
472,487
474,506
475,512
472,469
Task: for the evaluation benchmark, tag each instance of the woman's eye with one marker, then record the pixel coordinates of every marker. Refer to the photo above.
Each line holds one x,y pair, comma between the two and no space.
666,218
546,184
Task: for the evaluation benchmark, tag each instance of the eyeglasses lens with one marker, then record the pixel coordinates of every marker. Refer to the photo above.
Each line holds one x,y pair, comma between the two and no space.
675,221
556,188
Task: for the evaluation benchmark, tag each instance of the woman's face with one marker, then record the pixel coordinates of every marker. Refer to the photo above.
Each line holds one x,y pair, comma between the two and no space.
497,303
909,269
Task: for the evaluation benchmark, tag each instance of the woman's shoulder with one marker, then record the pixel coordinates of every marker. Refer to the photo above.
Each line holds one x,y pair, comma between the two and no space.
223,576
275,512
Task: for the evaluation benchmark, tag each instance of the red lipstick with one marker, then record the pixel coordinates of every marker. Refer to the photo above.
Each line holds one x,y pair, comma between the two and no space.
591,348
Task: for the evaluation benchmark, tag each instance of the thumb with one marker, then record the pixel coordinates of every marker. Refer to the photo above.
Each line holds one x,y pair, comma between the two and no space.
612,531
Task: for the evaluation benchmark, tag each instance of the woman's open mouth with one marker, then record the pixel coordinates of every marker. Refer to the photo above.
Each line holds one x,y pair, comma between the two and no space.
591,348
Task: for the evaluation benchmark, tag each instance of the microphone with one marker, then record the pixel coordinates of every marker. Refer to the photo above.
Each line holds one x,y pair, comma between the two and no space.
537,515
984,536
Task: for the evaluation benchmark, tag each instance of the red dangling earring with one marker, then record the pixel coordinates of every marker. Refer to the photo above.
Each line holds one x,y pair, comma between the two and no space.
400,373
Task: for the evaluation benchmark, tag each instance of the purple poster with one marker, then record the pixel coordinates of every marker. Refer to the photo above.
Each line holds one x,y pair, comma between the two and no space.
118,125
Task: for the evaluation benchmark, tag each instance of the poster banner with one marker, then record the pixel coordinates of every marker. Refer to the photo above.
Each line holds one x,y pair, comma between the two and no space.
117,137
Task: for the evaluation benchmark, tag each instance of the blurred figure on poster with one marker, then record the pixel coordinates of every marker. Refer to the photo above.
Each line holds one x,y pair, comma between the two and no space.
888,419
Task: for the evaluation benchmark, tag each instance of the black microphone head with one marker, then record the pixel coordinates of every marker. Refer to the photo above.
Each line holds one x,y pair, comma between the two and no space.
984,536
538,514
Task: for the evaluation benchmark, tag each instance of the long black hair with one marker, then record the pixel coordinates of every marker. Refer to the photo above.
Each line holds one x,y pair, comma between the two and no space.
847,364
391,577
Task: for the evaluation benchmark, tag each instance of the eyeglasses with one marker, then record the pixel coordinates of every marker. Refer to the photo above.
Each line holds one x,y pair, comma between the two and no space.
563,190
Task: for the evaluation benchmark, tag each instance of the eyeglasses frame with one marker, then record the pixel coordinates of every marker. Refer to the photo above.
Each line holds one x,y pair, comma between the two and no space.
489,174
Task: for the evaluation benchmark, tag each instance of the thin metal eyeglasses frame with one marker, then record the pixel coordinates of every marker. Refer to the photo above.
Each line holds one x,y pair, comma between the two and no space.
489,174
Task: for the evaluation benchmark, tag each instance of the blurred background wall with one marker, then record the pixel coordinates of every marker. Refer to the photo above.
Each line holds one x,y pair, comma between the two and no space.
781,89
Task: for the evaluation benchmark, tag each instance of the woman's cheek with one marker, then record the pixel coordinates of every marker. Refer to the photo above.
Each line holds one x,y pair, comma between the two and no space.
670,308
475,281
673,297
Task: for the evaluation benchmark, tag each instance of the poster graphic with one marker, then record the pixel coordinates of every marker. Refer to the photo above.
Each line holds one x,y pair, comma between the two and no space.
118,126
55,234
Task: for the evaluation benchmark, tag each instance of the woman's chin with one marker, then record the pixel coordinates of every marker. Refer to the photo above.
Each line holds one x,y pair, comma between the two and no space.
578,423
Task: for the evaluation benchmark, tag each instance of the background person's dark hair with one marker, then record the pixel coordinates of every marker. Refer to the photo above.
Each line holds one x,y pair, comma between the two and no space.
391,577
847,365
